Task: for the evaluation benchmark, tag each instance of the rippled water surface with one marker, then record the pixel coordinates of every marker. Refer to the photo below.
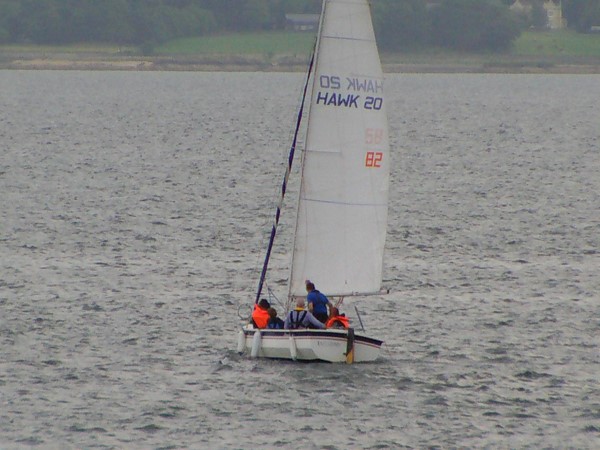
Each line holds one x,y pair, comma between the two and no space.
134,209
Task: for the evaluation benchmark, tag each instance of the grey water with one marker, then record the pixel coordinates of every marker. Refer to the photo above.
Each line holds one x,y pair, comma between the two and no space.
134,210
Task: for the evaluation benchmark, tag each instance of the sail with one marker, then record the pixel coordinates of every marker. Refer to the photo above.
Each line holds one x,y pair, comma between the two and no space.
342,212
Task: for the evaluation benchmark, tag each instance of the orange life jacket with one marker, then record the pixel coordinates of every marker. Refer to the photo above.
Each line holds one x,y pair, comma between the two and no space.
260,317
343,320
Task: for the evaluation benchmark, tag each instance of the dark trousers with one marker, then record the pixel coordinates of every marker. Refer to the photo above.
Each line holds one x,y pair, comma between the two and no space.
321,317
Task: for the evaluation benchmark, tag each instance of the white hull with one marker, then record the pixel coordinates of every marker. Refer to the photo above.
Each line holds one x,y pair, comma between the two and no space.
306,344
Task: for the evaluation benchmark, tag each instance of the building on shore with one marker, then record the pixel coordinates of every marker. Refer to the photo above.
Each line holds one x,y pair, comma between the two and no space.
302,22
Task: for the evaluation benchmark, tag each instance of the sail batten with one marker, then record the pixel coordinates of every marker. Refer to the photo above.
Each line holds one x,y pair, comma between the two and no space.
346,38
384,205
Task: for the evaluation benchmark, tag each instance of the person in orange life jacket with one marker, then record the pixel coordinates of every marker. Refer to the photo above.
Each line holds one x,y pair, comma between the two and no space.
337,320
301,318
274,321
260,315
317,302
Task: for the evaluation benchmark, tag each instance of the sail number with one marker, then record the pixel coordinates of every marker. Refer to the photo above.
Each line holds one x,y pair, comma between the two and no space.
373,136
373,159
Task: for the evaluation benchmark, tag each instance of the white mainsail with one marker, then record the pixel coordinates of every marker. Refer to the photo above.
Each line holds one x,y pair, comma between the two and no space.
342,212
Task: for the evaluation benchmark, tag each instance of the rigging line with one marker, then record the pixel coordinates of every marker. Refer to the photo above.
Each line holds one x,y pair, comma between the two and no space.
285,181
334,202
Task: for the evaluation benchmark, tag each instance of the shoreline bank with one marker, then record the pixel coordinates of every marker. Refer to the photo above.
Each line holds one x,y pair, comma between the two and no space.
259,63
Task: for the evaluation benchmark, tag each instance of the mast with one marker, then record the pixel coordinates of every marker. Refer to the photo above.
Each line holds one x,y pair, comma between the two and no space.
315,65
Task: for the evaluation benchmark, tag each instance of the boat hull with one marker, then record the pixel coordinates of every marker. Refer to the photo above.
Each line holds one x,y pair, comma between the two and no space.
329,345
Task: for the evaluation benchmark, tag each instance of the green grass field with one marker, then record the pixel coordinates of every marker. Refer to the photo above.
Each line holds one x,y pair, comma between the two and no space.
530,43
266,43
557,43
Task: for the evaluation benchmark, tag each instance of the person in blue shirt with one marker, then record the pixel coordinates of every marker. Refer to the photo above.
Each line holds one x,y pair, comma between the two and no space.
318,304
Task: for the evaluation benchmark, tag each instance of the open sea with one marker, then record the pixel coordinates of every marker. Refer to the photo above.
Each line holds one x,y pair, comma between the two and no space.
134,213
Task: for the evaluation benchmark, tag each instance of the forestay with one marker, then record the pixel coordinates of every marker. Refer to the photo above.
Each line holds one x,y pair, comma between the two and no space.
342,212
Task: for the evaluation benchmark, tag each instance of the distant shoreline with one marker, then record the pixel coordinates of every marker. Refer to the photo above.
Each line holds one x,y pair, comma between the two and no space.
248,63
560,52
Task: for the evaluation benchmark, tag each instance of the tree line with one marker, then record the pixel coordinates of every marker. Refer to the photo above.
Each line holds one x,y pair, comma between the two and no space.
400,24
581,15
471,25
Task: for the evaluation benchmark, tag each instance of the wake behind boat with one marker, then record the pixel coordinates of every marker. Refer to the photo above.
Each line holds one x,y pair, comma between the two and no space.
341,219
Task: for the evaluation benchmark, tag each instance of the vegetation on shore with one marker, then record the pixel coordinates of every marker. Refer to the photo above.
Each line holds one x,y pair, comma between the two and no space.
530,43
280,50
463,25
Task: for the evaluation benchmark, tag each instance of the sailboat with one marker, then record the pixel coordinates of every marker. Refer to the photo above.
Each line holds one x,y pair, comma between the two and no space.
341,219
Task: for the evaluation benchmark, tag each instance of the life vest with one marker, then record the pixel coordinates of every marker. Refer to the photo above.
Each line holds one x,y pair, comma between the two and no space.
297,319
342,320
260,317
